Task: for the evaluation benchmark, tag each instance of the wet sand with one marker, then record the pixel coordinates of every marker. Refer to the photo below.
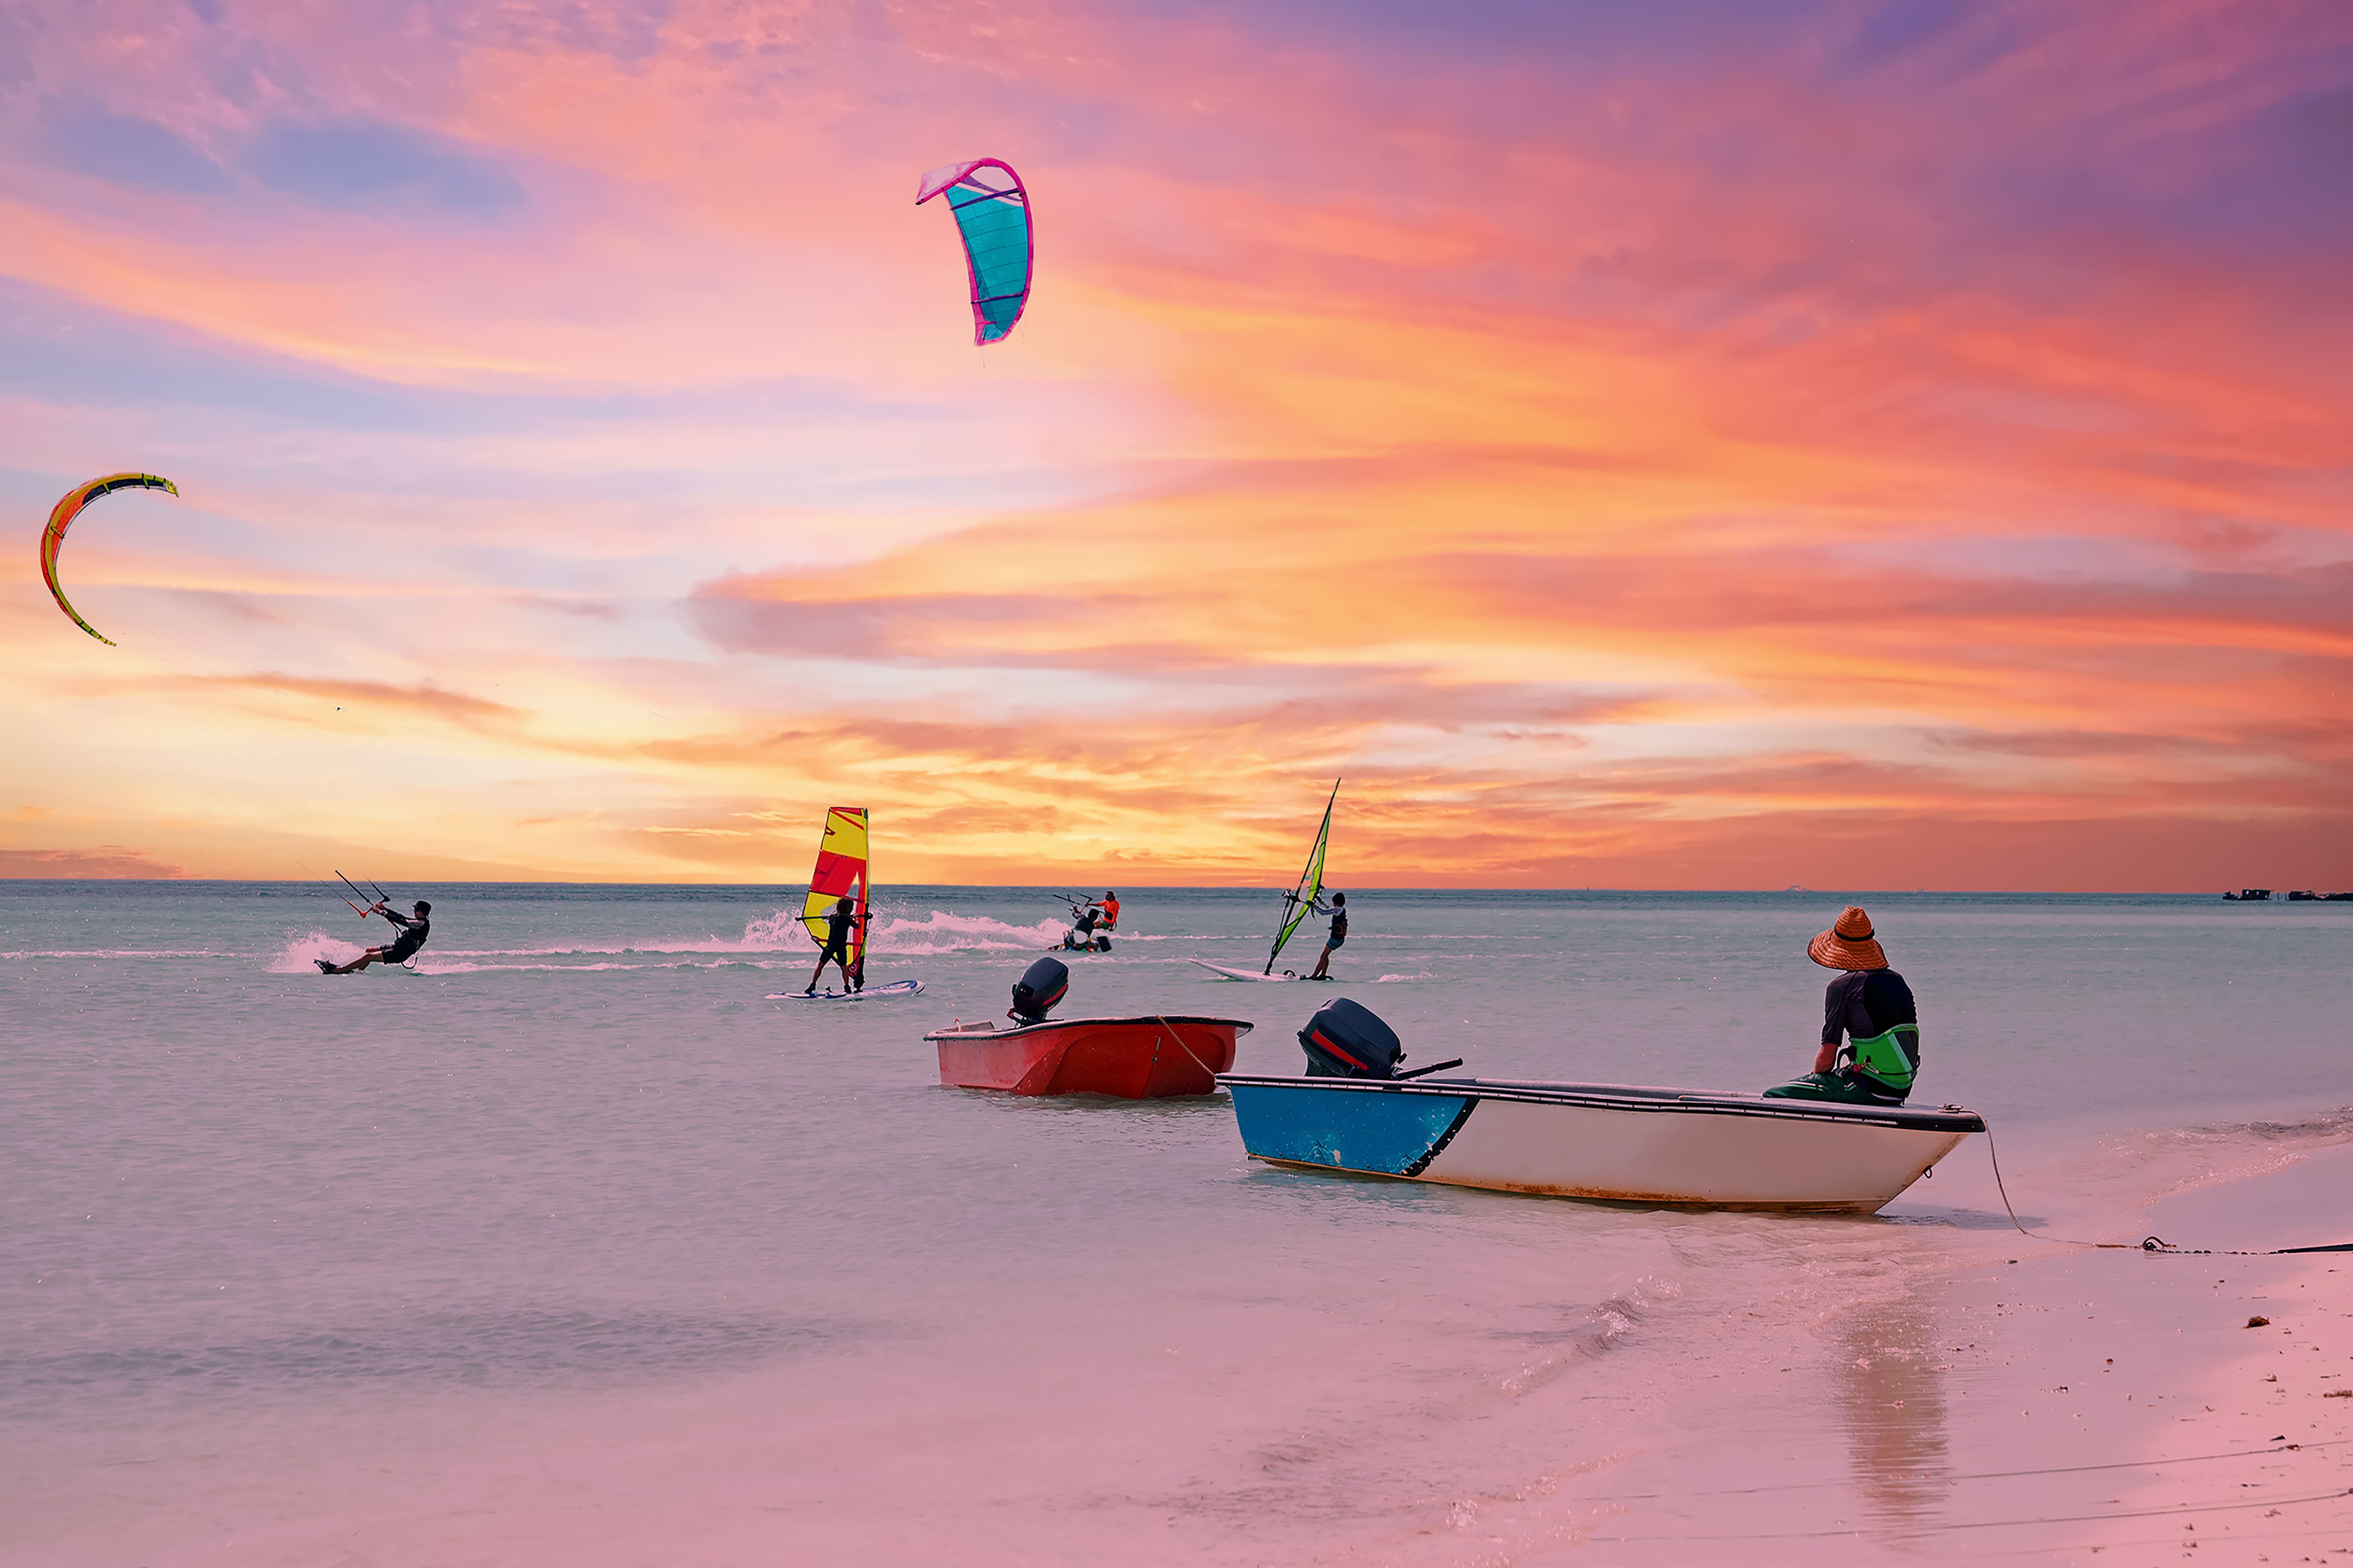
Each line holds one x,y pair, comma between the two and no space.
2055,1404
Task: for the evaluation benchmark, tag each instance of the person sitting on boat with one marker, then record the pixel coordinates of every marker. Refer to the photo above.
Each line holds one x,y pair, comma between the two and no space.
413,930
839,922
1870,1028
1339,936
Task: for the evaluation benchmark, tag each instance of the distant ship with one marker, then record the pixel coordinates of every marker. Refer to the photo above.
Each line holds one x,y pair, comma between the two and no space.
2249,895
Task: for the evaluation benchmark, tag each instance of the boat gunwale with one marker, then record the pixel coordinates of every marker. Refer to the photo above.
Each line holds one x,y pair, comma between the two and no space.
1630,1098
1241,1026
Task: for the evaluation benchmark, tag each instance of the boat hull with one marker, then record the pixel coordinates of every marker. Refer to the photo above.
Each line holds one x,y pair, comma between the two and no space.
1607,1142
1129,1058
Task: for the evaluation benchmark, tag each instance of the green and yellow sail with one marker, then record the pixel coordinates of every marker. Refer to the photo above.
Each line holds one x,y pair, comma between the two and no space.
1299,903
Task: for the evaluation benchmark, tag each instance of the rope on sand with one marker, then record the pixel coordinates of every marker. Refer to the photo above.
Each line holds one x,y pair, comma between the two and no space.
1979,1475
2146,1243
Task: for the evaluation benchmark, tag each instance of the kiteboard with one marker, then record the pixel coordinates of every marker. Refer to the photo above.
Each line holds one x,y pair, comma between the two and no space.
872,993
1249,973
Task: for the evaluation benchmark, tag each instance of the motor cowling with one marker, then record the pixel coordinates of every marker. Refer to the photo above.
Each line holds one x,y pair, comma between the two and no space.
1035,993
1344,1040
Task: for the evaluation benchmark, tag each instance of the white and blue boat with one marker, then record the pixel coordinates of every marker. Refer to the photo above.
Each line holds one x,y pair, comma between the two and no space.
1612,1142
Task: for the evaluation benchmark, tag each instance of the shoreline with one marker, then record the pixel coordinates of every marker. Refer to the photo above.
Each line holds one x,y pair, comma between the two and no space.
2035,1402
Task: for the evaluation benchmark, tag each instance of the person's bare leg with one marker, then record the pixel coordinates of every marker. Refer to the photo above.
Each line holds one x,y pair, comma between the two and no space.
362,961
1322,961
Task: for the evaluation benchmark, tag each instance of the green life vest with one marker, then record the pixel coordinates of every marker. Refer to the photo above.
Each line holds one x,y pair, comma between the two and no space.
1888,1058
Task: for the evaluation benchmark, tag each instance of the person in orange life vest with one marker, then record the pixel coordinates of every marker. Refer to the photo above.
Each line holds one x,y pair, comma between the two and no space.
1111,912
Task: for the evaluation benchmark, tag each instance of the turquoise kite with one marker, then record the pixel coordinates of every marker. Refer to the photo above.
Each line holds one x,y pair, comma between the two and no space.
992,212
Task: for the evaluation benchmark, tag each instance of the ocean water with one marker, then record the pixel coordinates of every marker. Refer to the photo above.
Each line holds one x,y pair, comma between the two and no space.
570,1246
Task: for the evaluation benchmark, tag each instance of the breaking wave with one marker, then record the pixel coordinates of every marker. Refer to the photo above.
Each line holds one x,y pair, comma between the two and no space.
939,932
122,953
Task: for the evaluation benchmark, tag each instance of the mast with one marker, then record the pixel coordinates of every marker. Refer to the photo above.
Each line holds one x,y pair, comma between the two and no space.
858,932
1301,900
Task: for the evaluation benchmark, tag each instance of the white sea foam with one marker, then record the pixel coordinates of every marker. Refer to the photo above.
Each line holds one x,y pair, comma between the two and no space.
120,952
940,931
301,954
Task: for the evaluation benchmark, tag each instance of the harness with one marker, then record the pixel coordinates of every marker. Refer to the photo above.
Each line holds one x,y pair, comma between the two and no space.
1887,1058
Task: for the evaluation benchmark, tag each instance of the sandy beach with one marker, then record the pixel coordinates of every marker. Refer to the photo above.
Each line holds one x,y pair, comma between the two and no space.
2057,1404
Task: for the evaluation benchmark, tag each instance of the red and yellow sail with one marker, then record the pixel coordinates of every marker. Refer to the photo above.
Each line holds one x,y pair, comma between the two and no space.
840,868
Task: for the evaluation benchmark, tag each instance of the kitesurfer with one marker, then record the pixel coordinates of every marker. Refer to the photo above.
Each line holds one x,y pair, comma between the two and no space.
413,930
1085,918
839,922
1871,1028
1339,936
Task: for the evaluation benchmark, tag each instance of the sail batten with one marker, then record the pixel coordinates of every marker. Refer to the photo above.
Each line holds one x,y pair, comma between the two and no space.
1299,903
841,870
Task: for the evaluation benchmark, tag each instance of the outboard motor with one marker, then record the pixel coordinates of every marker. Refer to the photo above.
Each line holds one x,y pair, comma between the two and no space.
1035,993
1344,1040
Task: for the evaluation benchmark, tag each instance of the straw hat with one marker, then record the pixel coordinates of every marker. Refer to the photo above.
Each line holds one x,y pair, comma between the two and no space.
1847,943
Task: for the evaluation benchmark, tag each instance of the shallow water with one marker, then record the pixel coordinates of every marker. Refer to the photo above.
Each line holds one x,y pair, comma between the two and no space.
572,1235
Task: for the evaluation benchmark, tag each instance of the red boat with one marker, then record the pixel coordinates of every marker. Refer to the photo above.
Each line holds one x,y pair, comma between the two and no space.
1132,1058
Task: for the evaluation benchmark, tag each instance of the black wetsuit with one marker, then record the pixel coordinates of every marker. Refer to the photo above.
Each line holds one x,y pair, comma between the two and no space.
1864,1002
413,930
837,926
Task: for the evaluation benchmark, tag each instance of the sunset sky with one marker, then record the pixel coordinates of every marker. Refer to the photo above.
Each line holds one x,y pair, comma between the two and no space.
1877,444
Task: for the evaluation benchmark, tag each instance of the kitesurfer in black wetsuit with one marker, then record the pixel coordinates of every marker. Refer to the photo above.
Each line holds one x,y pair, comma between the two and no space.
1869,1019
839,922
1085,918
1339,936
413,930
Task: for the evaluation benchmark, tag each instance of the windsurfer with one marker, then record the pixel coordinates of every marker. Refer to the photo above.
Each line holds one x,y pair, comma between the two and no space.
840,923
1338,937
414,931
1870,1028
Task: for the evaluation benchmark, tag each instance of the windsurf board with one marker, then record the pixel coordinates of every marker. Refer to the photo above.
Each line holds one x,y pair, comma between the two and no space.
1249,973
872,993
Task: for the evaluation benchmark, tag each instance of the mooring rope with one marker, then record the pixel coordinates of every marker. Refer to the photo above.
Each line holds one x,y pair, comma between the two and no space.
2146,1243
